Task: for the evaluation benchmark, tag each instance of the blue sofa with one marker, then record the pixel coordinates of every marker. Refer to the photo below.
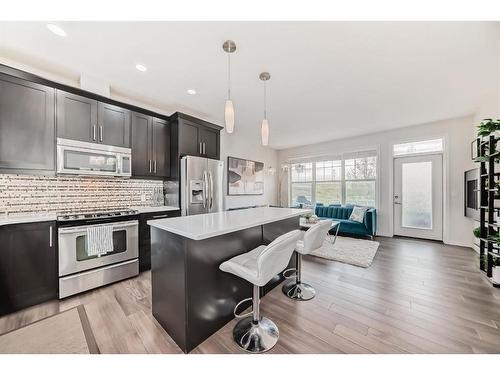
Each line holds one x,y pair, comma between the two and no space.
342,213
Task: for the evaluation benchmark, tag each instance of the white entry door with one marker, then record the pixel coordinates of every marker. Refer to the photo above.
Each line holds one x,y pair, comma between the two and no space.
418,196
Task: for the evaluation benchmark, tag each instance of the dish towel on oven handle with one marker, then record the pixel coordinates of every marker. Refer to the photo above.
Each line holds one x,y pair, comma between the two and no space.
99,239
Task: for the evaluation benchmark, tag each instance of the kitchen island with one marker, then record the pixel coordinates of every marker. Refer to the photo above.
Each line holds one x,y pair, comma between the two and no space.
191,297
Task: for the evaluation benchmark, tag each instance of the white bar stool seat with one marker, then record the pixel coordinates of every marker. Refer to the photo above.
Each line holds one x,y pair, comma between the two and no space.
313,239
254,333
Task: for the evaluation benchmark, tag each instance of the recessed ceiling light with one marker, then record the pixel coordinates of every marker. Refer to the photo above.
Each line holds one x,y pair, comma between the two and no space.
56,29
141,67
191,92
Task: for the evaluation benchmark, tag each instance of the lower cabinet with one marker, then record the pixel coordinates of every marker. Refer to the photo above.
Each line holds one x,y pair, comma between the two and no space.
145,236
28,265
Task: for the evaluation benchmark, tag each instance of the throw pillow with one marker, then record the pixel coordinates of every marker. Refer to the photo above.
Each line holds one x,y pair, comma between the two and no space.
358,214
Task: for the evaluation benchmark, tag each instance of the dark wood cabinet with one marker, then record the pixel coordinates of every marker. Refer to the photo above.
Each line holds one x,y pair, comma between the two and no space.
150,146
114,125
27,126
88,120
209,139
198,139
141,144
145,236
189,139
161,147
192,136
76,117
28,265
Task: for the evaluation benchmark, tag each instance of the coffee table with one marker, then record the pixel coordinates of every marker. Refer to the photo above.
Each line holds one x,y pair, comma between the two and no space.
304,225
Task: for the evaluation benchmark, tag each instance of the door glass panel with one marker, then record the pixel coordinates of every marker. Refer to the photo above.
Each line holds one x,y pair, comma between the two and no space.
119,245
417,195
79,160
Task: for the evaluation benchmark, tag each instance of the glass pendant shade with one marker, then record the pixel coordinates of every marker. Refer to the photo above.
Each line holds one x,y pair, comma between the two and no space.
229,116
264,132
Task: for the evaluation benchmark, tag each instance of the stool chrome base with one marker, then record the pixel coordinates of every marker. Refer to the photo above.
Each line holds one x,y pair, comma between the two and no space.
256,337
299,291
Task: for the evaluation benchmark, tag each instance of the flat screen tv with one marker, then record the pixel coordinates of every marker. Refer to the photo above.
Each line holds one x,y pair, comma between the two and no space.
471,196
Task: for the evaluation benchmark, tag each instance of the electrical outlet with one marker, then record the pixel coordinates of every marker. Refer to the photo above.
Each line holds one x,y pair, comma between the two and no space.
143,197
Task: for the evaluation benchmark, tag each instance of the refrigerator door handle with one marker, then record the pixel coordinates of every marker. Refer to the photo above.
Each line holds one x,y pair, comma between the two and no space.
205,188
211,189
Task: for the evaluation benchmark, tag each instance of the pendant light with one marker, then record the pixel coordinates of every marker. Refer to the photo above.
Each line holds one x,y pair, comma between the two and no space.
229,47
264,128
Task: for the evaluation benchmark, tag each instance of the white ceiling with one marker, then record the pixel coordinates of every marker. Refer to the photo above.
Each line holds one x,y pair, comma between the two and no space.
329,80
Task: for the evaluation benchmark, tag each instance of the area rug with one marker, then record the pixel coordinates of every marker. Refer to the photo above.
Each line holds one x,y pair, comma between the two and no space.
349,250
68,332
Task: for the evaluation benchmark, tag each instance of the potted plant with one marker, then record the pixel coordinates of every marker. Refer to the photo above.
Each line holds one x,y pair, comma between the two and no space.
477,232
488,126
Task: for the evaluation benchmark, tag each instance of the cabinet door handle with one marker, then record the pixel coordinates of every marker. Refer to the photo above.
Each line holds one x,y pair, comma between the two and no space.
100,133
93,132
204,148
50,236
155,166
200,148
150,168
160,216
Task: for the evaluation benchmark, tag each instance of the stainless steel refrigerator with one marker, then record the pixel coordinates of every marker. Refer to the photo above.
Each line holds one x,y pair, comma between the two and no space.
201,185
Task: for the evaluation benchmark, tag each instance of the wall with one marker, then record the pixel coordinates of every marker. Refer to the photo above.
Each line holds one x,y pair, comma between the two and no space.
23,193
249,147
458,135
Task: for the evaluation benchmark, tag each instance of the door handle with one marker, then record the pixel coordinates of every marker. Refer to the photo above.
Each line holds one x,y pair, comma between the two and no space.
93,132
150,167
100,132
211,189
160,217
50,236
155,166
204,148
205,188
201,148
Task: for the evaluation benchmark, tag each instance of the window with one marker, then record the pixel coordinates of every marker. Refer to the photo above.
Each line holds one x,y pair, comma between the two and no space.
349,179
301,176
432,145
329,182
360,180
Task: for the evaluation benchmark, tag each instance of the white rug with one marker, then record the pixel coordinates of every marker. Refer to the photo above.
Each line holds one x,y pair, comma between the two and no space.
349,250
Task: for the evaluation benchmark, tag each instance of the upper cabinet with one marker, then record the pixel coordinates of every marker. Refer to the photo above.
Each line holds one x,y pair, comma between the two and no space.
83,119
192,136
76,117
197,137
150,146
27,126
114,125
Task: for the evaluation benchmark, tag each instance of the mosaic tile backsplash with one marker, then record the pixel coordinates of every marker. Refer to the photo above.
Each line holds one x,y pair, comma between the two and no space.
25,194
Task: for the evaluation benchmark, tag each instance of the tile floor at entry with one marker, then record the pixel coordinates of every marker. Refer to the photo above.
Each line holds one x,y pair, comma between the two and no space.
417,297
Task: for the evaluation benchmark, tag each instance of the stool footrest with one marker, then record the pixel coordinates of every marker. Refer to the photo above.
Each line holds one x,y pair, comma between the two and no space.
291,276
239,316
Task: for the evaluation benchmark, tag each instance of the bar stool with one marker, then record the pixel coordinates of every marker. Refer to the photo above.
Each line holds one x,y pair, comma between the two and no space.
313,239
257,334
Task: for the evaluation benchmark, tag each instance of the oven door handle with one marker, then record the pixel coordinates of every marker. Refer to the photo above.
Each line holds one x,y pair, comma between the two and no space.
84,228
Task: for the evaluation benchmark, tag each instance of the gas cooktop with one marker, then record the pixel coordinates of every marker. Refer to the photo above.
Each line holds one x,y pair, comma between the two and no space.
96,215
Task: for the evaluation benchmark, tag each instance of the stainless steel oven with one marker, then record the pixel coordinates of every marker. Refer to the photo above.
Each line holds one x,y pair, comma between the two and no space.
85,158
79,272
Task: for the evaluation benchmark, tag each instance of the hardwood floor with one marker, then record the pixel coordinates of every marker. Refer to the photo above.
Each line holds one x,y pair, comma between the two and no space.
417,297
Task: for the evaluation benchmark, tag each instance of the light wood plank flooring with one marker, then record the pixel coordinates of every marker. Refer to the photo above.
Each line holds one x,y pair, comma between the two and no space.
417,297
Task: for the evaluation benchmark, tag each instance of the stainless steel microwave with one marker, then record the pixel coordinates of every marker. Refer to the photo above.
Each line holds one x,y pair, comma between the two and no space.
85,158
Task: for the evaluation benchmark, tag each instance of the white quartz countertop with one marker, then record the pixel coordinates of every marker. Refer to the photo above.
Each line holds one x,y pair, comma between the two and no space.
144,210
27,218
199,227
